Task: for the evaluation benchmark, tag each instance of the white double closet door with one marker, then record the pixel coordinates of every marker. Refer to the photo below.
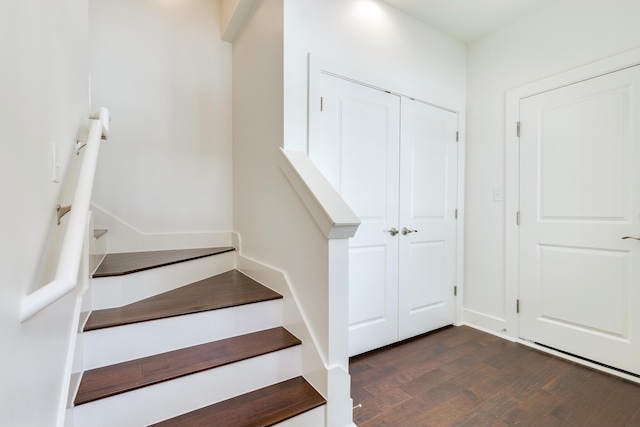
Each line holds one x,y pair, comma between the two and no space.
394,161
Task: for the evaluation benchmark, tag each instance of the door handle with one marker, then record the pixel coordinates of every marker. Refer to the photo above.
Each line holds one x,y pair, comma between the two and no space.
629,237
406,231
393,231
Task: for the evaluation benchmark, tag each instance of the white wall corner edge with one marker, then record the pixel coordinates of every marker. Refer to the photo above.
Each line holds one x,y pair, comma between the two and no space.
233,16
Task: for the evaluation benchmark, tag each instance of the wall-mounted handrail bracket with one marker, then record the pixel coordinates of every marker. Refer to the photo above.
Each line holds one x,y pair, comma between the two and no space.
80,145
62,211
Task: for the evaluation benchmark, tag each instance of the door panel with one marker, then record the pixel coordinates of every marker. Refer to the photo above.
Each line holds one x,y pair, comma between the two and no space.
428,192
359,155
575,156
579,195
565,272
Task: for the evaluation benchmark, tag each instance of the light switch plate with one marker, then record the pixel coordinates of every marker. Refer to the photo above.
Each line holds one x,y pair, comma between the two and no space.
498,196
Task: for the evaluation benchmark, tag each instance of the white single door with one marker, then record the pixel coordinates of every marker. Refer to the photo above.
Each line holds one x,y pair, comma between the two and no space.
358,153
579,279
428,192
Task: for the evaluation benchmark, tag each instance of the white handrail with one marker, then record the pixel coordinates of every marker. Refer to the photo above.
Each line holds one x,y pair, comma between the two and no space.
69,261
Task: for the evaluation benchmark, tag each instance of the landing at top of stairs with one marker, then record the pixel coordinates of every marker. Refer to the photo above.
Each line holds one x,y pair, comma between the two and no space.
132,262
224,290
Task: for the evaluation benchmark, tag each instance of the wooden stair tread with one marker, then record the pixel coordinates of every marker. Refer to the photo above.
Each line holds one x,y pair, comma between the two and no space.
228,289
261,408
133,262
134,374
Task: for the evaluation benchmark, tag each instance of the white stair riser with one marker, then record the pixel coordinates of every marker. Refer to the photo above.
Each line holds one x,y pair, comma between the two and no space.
155,403
116,291
108,346
312,418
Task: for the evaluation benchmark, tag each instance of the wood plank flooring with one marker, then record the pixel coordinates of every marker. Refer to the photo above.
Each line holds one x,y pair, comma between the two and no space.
132,262
459,376
261,408
224,290
134,374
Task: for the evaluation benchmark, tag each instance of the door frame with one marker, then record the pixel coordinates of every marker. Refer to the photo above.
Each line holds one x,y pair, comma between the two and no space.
319,65
512,181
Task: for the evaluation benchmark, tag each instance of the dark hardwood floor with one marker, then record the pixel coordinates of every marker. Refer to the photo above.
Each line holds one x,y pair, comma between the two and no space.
459,376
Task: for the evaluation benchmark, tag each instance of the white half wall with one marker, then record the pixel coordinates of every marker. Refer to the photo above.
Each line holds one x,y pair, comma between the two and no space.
563,35
165,75
44,87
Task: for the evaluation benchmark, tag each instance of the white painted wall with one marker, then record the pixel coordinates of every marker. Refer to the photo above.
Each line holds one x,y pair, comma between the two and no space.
564,35
274,225
270,111
162,70
44,87
373,37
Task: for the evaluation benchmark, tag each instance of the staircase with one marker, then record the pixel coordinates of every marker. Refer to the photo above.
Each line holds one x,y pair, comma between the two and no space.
181,338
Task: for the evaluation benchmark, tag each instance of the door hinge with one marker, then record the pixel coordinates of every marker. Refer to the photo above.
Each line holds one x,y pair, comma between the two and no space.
457,136
456,213
455,291
518,218
321,103
518,129
517,306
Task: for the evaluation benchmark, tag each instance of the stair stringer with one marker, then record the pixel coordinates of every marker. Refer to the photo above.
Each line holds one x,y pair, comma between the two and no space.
75,356
328,380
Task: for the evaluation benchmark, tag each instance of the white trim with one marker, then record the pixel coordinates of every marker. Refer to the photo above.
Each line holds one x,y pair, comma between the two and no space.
331,213
124,237
512,169
319,65
485,322
459,279
488,331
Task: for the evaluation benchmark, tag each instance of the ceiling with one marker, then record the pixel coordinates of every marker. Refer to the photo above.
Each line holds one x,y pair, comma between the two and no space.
467,20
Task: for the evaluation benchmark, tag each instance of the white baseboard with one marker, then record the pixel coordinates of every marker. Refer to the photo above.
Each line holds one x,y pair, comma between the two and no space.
314,368
124,237
333,382
486,323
